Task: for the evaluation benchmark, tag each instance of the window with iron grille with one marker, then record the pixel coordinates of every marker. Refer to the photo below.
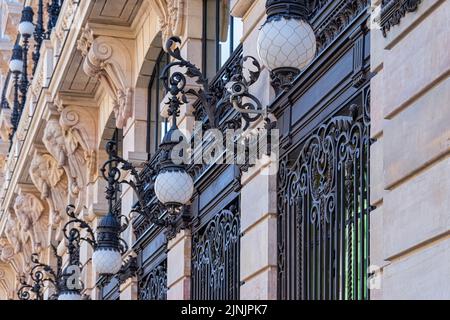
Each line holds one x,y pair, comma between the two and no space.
153,285
216,257
323,211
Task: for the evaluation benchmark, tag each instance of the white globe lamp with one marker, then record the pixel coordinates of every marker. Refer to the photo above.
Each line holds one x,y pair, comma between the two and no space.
286,41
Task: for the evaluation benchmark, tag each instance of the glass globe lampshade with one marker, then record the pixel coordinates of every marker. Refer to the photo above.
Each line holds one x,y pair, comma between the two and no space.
286,43
107,261
69,296
26,26
107,257
174,186
16,62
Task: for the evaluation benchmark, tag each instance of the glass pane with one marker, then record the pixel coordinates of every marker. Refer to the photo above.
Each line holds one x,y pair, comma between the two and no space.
157,124
238,32
224,32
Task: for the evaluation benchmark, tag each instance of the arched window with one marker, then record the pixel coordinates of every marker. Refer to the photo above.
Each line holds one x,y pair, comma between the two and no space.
222,34
157,125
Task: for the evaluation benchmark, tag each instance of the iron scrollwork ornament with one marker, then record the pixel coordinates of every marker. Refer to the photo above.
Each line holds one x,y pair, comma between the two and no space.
236,93
113,172
215,253
41,276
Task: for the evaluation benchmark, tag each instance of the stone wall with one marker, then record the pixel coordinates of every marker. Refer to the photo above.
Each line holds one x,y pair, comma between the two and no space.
410,229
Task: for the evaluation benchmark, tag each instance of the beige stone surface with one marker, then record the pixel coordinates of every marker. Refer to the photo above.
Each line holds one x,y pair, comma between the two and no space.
258,248
258,199
252,21
261,287
129,290
419,135
418,60
180,290
376,172
425,274
377,234
179,260
377,104
411,21
417,211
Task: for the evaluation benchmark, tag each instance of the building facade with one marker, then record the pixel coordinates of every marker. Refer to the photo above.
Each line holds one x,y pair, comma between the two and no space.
354,206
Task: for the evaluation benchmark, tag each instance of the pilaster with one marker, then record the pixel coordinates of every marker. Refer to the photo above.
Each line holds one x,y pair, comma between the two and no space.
179,267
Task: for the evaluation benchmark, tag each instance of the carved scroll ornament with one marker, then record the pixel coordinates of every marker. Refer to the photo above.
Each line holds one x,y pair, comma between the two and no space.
109,60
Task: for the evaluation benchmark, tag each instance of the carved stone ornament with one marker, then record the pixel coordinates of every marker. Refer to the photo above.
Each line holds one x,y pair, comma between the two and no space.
5,124
12,231
6,250
33,221
110,61
12,248
170,17
51,181
71,141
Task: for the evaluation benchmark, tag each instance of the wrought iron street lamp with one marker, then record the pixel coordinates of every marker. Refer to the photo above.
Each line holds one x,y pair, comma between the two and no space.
70,285
53,10
173,186
109,247
39,34
26,30
286,42
66,281
16,67
286,45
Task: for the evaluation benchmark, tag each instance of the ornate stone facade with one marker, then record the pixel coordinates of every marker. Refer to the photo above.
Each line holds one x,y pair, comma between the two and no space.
93,77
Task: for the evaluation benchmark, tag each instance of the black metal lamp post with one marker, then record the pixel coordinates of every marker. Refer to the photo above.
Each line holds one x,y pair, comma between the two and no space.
286,43
26,30
70,284
39,34
16,67
53,10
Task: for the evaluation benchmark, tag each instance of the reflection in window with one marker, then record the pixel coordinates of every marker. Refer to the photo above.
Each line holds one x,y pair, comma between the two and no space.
222,34
158,126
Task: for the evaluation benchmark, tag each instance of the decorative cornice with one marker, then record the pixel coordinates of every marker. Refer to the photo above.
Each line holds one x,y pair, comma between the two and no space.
343,14
393,11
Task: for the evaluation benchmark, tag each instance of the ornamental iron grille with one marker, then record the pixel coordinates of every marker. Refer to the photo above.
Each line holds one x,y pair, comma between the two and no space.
323,207
153,286
216,257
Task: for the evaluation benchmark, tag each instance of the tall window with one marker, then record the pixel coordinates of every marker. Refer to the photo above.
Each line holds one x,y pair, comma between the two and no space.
158,126
323,213
221,35
216,257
